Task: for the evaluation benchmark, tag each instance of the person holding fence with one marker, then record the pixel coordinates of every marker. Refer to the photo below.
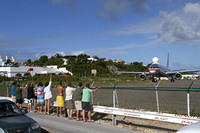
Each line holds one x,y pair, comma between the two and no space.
13,92
69,101
59,99
47,95
86,101
77,96
35,98
19,97
30,96
40,96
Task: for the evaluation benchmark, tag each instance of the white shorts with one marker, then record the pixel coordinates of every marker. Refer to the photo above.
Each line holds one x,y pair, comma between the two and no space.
78,105
30,101
14,99
46,97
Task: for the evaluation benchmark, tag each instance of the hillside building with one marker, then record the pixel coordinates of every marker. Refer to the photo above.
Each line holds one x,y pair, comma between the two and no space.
12,71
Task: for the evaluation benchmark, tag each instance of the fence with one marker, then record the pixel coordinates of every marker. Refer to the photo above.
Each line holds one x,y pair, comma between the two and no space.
180,97
159,97
187,88
5,89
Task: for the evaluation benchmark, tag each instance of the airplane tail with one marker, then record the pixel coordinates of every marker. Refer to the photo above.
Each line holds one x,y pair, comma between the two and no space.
168,60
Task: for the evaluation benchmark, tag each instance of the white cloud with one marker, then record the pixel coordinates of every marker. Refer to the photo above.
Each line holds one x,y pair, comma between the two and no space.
49,54
148,27
120,50
113,9
181,26
76,52
193,8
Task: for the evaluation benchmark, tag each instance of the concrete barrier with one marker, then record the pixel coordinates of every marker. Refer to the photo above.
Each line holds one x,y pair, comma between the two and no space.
165,117
174,118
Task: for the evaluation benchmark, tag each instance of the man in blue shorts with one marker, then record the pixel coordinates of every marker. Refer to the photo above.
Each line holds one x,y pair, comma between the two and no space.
40,96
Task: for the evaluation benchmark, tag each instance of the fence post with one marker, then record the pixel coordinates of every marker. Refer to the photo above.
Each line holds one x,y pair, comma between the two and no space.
157,99
114,105
7,92
188,98
92,95
8,89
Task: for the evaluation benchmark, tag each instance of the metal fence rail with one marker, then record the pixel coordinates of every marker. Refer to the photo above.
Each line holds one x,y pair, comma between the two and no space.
156,88
161,97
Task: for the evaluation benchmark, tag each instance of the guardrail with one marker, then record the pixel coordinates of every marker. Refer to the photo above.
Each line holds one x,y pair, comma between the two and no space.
174,118
165,117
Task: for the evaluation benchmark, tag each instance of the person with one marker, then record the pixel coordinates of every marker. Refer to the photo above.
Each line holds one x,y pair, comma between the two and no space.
47,95
13,92
77,96
59,99
86,101
30,96
40,96
35,97
19,98
68,98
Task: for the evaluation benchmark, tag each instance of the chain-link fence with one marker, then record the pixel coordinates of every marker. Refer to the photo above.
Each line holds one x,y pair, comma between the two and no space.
181,96
5,89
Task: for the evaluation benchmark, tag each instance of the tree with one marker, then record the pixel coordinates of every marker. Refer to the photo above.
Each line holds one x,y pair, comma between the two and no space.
58,55
28,62
139,67
8,62
37,63
18,75
15,64
43,59
82,58
55,61
27,74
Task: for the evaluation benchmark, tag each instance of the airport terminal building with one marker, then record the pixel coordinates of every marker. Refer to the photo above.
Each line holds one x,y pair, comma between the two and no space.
12,71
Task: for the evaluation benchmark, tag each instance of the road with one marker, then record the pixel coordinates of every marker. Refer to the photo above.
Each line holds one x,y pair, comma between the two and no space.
63,125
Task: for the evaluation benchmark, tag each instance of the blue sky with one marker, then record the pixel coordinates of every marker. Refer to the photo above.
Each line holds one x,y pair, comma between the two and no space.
132,30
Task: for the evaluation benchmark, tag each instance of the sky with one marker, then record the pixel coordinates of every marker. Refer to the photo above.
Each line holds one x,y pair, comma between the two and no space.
131,30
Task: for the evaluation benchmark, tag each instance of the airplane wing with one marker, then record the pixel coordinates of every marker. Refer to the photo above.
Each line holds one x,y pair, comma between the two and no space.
122,72
182,71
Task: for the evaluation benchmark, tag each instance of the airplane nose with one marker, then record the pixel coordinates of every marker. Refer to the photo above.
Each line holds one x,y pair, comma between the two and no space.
153,70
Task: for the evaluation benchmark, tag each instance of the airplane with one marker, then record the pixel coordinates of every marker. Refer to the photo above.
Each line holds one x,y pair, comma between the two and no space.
156,71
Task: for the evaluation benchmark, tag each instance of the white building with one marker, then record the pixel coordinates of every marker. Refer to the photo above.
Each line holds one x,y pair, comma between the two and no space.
12,71
3,61
65,61
92,59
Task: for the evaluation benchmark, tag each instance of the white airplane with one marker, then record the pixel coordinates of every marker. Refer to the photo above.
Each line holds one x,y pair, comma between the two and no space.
156,71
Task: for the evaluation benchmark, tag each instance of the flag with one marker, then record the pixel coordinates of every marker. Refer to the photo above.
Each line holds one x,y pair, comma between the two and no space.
30,69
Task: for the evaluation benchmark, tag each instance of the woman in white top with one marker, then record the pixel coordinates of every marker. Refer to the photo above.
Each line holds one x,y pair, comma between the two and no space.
68,98
47,95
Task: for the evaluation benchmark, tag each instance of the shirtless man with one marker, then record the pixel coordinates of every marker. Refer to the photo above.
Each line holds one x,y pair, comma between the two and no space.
59,98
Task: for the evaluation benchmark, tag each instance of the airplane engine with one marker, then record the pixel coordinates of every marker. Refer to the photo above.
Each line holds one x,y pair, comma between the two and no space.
178,76
143,77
